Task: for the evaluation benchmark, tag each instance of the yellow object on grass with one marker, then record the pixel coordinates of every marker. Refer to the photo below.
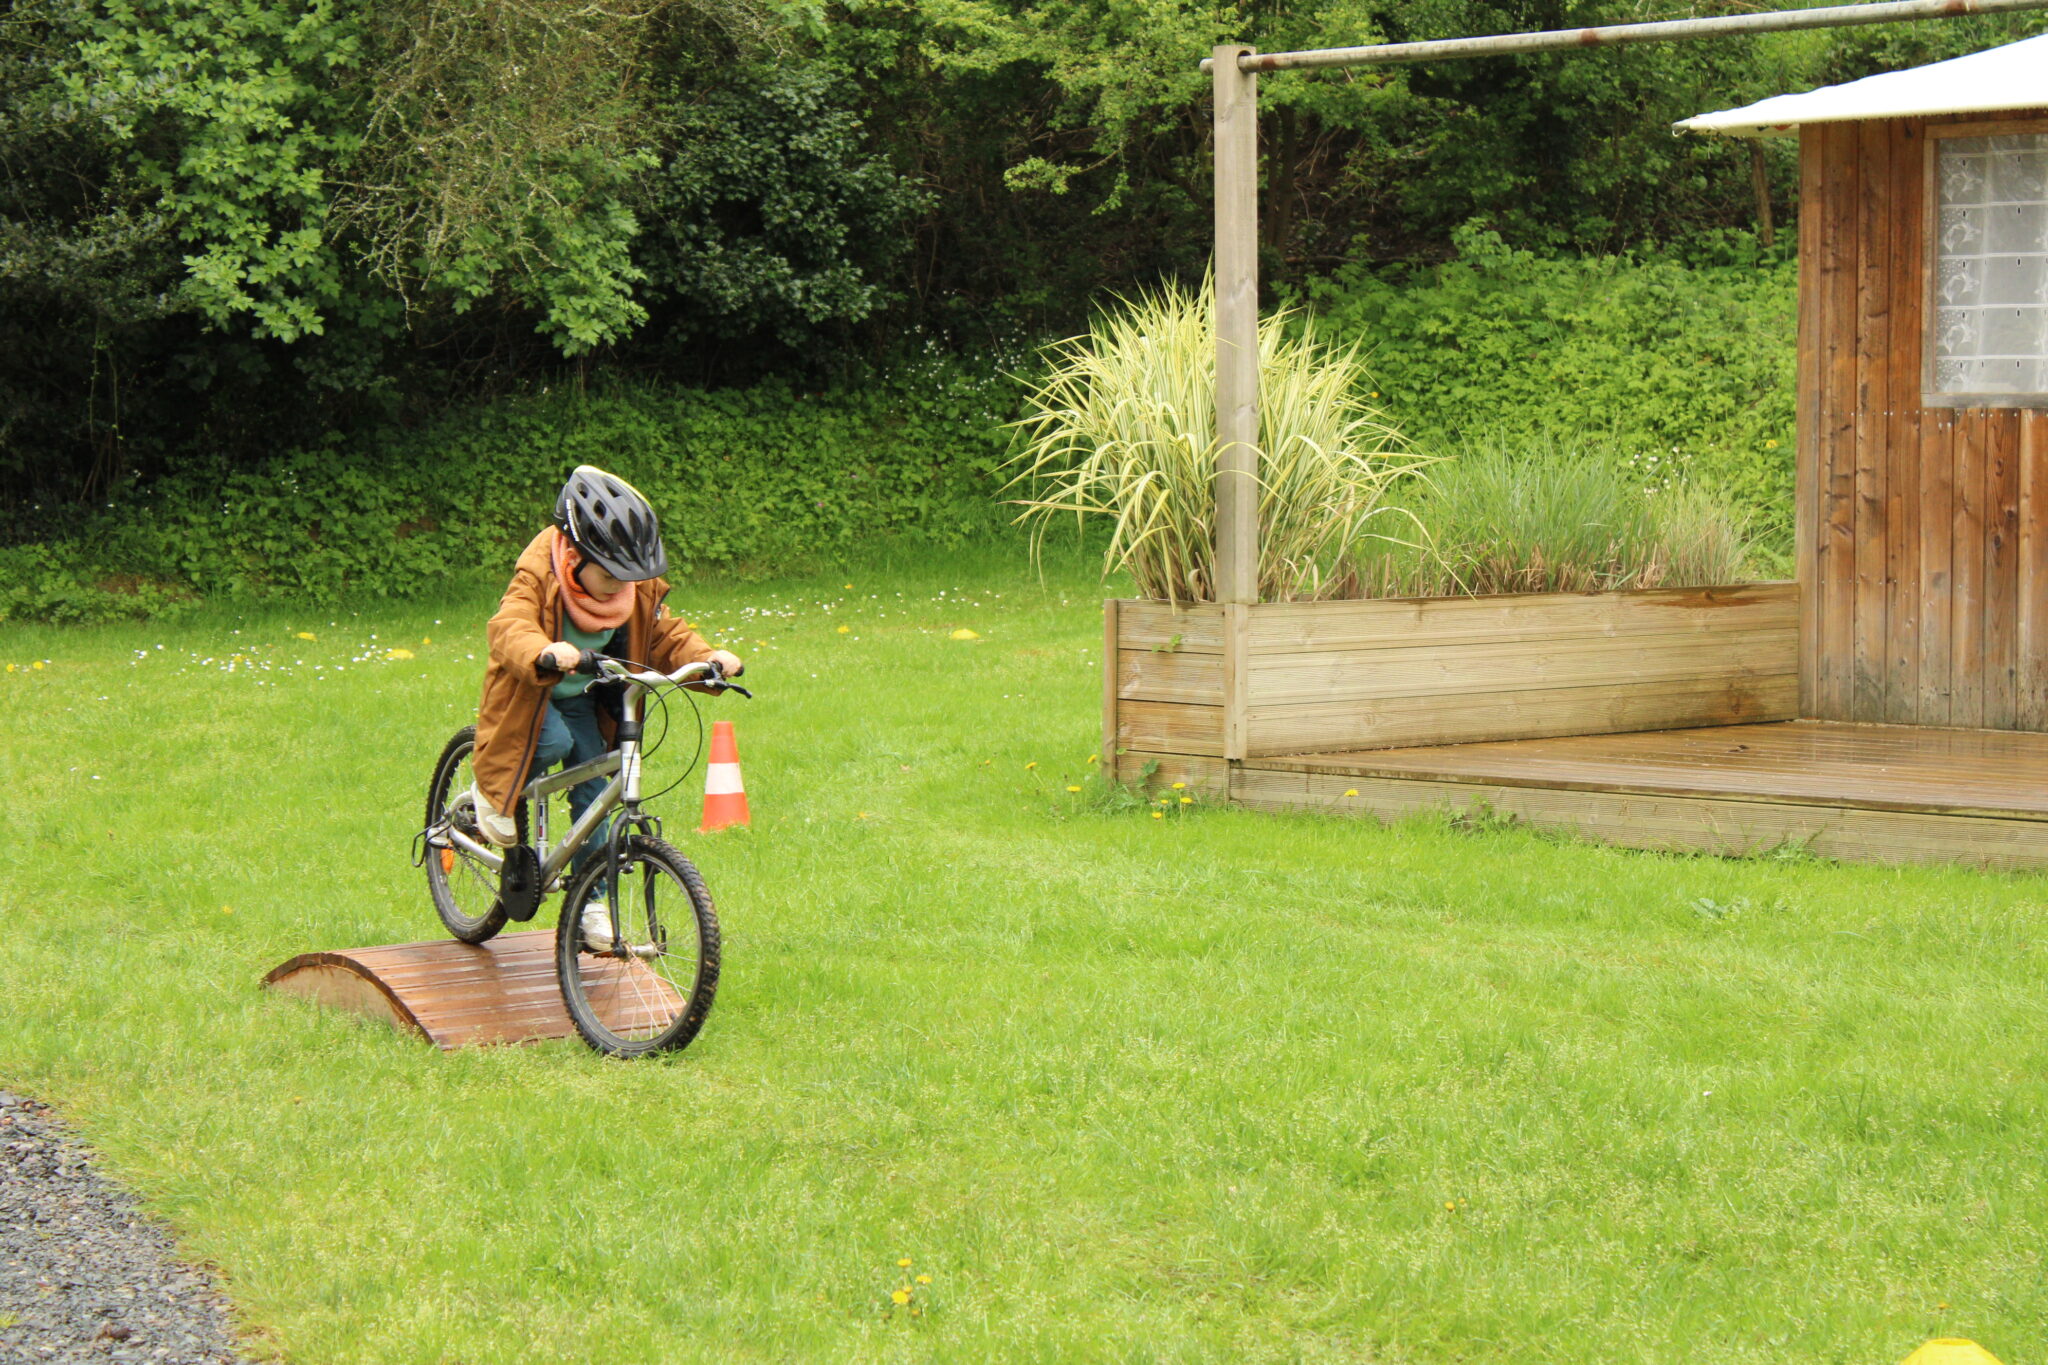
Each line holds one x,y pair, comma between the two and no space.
1951,1351
965,634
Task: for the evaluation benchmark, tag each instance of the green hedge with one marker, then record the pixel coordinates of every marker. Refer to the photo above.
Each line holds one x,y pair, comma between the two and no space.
1690,367
750,480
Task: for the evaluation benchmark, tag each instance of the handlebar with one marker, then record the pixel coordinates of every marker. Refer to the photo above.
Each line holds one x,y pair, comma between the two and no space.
706,673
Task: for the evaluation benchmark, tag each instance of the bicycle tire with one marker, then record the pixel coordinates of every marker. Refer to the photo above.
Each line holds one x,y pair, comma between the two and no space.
444,865
616,1013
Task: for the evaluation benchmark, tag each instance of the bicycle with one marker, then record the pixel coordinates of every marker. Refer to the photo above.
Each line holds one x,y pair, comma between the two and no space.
651,989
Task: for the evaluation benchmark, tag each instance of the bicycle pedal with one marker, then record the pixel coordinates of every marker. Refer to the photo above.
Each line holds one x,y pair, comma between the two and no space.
519,883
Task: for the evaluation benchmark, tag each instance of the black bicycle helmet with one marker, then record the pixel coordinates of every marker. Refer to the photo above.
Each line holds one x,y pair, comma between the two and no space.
606,518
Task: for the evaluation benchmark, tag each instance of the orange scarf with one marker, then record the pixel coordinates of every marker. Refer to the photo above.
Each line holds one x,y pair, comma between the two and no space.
590,612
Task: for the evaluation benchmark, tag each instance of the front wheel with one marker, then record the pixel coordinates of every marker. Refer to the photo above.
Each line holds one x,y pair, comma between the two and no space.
652,990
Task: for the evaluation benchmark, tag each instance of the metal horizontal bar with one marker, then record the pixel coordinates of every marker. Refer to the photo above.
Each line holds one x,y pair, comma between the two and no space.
1507,44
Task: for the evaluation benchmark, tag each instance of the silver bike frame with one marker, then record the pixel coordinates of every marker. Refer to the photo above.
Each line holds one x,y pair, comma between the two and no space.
622,790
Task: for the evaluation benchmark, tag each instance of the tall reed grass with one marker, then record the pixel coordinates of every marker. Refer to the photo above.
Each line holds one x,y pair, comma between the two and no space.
1124,428
1503,518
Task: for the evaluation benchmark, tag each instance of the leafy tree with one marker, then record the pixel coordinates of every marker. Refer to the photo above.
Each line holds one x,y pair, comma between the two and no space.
768,214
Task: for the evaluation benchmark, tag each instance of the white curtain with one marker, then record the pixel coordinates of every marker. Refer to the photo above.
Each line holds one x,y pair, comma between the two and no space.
1991,285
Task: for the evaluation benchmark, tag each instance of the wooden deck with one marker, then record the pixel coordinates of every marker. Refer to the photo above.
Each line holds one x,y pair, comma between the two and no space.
1884,793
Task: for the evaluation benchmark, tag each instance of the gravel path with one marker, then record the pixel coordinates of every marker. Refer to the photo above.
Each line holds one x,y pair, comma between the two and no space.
84,1274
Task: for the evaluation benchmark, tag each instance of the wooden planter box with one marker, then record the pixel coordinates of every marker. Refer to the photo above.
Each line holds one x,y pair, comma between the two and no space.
1195,691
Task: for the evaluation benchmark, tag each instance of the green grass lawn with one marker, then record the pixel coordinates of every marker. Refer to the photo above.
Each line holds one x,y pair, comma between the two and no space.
1221,1086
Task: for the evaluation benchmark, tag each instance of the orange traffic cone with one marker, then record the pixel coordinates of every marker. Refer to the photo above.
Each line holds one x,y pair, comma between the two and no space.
725,795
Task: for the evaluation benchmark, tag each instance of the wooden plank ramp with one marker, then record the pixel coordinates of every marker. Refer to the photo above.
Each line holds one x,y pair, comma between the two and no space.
461,995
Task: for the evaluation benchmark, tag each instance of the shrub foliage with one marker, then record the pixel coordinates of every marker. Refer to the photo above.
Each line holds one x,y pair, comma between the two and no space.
1124,428
1501,518
746,480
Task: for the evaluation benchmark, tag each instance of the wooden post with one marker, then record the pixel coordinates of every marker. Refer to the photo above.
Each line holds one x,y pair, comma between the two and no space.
1112,646
1237,366
1237,329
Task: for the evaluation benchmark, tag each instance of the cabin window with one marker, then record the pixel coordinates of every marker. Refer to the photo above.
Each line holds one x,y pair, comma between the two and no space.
1990,285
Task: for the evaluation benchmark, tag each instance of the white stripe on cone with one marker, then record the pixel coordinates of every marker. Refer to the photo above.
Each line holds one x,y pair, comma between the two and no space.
723,779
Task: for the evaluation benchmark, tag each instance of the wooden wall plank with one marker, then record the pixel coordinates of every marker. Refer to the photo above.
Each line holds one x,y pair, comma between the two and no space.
1169,728
1426,623
1456,673
1196,629
2031,706
1937,529
1999,675
1807,470
1869,422
1966,572
1151,675
1205,777
1902,444
1838,281
1394,722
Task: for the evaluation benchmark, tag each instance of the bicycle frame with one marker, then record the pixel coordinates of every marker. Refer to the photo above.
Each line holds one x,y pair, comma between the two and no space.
622,764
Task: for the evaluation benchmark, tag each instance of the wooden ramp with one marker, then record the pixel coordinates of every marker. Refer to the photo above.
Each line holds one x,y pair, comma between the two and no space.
1875,793
459,995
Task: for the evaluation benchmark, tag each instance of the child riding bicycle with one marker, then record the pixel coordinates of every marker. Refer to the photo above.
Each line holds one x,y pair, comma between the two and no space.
591,581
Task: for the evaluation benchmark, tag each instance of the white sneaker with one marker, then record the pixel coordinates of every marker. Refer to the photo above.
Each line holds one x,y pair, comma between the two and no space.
501,830
597,927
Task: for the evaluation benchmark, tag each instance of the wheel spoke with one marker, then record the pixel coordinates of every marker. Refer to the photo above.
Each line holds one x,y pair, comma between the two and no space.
625,1002
466,896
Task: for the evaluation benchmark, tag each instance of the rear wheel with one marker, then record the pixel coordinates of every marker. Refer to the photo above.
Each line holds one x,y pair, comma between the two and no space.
464,887
653,991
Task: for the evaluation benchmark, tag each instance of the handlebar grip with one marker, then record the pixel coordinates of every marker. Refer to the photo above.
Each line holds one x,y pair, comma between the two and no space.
587,661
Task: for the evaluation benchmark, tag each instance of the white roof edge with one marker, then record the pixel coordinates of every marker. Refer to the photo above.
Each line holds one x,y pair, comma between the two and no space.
1998,80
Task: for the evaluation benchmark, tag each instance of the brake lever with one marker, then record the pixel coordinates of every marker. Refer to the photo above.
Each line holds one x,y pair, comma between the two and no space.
716,678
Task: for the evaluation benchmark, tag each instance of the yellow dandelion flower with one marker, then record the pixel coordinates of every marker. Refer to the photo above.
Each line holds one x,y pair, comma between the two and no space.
1187,800
1450,1207
900,1297
1072,788
845,629
1029,766
37,664
305,635
227,909
1770,445
1351,791
849,587
905,1262
1158,815
1093,758
10,668
926,1279
1180,786
427,640
917,1312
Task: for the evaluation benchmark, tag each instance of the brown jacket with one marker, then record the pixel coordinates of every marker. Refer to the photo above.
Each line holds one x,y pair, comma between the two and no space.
516,682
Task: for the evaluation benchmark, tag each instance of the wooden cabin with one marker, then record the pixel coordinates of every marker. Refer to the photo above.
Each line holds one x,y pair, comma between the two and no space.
1891,704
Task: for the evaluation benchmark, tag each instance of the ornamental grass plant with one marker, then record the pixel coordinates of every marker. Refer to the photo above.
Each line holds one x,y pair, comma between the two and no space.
1503,518
1123,427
